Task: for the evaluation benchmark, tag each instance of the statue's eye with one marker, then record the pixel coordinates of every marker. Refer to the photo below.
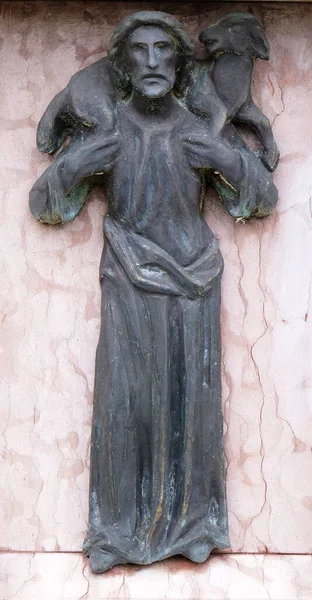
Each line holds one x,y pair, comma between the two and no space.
138,46
162,45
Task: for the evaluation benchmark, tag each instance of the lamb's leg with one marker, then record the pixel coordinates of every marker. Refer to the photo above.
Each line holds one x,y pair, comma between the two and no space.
53,129
211,106
251,115
202,99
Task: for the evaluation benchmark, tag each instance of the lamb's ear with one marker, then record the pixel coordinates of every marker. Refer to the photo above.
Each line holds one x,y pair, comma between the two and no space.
260,44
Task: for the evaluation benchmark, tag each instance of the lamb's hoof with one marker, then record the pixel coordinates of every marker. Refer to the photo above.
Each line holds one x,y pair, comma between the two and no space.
270,159
101,560
199,551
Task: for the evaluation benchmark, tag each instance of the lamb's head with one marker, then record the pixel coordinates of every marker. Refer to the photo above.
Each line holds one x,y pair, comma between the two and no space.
236,33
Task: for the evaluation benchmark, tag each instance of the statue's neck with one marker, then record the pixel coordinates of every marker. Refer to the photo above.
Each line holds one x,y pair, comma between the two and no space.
153,109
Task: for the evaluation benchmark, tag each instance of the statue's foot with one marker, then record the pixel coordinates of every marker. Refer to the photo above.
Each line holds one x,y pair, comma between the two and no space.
102,560
199,551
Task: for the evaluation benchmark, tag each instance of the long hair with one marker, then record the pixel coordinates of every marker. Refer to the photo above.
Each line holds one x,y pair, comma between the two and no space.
183,45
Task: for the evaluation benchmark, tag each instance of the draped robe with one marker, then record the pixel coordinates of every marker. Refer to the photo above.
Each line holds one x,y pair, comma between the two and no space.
157,481
157,465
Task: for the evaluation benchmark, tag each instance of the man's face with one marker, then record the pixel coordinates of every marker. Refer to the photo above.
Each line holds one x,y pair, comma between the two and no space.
151,57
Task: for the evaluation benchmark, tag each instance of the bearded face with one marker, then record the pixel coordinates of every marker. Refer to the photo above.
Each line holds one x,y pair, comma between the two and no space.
151,59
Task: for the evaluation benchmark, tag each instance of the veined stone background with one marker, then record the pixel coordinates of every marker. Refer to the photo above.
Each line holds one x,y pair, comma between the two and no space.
50,312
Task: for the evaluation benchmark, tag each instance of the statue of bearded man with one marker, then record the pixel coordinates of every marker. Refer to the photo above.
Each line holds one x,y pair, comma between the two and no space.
157,484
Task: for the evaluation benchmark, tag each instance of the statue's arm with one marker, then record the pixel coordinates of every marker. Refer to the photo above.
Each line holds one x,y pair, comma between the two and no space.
59,195
241,180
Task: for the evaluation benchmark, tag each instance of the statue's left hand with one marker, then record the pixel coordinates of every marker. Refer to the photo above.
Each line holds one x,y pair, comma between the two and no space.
213,153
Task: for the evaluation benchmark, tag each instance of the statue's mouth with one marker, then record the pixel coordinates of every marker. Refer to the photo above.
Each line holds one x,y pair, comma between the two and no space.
153,76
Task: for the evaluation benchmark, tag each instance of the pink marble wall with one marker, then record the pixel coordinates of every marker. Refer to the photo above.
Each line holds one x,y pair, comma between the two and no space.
55,576
49,297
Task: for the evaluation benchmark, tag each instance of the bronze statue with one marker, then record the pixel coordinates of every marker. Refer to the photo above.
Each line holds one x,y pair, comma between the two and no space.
157,484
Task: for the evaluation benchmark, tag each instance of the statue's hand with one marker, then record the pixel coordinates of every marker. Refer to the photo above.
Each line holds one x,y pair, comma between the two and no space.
206,151
95,156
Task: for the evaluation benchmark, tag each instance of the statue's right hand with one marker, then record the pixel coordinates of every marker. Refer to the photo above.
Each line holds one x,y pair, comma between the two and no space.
94,156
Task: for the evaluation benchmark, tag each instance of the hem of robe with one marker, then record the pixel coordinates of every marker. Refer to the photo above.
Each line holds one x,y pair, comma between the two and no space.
128,551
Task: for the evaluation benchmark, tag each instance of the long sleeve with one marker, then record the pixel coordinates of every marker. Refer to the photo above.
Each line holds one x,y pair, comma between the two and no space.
59,195
241,180
256,194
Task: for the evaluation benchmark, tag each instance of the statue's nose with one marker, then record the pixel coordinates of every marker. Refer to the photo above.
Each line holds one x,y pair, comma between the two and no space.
152,59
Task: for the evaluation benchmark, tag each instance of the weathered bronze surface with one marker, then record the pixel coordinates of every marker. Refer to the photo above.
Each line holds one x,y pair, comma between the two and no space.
156,126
